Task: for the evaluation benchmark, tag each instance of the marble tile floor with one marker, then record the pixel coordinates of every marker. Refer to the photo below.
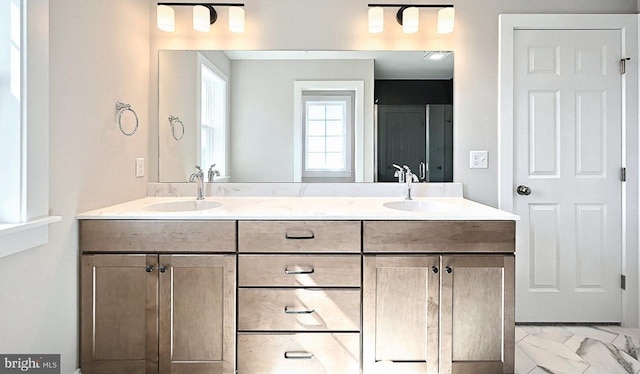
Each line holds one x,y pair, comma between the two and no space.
569,349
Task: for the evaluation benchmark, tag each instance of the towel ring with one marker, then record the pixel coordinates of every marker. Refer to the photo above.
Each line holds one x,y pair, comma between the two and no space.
122,107
172,121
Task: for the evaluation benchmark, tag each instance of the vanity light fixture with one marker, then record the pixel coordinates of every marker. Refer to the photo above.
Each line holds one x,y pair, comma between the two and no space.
409,17
204,15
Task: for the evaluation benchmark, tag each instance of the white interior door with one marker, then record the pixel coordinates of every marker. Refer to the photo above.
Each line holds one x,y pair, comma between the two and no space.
568,151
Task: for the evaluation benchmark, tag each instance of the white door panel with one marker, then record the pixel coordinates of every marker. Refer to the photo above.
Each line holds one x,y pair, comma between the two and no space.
568,150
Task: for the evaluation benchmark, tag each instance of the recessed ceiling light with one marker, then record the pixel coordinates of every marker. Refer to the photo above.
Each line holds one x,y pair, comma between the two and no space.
437,55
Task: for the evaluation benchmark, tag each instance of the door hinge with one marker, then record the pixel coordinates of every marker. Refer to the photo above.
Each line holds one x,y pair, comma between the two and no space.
623,175
623,65
623,282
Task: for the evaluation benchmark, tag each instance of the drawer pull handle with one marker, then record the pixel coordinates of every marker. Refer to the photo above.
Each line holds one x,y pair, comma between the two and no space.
294,272
300,235
289,311
298,355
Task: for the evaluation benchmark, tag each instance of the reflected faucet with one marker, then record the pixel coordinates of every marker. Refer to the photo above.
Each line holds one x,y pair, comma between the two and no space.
410,177
399,173
212,172
199,175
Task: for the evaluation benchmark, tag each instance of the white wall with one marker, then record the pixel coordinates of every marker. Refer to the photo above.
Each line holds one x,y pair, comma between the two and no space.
99,53
262,96
342,25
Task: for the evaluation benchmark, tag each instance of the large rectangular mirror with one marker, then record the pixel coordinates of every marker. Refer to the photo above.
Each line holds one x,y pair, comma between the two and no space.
305,116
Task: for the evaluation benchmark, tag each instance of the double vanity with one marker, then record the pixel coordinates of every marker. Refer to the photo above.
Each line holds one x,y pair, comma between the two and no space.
275,285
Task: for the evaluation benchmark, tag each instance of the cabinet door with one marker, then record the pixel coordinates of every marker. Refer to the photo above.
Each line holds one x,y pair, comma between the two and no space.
477,314
400,314
197,314
119,314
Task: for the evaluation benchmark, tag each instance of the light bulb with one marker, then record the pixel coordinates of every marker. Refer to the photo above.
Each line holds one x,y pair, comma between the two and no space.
236,19
410,20
446,19
201,18
376,20
166,18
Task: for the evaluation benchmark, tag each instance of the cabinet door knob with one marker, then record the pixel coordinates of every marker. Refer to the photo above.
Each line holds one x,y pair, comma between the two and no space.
163,268
448,269
434,269
149,268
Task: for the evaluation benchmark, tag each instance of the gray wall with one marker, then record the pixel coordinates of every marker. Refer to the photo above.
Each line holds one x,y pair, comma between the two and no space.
262,113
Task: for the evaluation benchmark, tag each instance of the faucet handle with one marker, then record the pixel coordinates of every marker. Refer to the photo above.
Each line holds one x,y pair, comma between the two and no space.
211,167
407,168
398,167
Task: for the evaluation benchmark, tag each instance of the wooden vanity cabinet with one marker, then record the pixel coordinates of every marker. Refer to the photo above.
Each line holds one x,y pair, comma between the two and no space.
299,292
155,313
400,314
119,314
437,297
432,309
477,313
197,314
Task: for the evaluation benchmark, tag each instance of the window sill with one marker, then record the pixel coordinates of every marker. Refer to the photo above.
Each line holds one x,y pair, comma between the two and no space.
18,237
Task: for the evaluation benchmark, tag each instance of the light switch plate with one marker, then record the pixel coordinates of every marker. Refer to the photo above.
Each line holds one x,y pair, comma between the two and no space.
479,159
139,167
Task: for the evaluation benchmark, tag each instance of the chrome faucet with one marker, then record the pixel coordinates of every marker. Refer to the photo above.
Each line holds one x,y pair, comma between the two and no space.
199,175
410,177
399,173
212,172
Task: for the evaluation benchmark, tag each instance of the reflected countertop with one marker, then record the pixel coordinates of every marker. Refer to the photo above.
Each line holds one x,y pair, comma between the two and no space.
300,208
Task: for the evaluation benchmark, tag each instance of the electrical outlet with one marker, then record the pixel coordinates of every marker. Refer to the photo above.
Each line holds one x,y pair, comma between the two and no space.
139,167
479,159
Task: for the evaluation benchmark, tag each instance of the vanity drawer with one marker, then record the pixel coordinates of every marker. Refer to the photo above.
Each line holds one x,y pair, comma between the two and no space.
157,236
299,236
439,236
299,270
299,353
298,309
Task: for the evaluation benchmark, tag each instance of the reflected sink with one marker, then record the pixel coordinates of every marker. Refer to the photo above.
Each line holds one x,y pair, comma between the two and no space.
418,206
182,206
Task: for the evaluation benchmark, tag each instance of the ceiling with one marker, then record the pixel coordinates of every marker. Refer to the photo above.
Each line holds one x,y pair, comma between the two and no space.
387,64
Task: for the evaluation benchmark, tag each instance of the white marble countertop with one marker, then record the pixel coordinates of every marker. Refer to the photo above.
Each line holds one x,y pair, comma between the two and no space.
302,208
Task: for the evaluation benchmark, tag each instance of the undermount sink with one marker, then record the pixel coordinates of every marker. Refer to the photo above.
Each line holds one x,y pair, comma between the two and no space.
418,206
182,206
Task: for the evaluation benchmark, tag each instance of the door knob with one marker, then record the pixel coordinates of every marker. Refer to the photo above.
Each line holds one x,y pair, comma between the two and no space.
523,190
